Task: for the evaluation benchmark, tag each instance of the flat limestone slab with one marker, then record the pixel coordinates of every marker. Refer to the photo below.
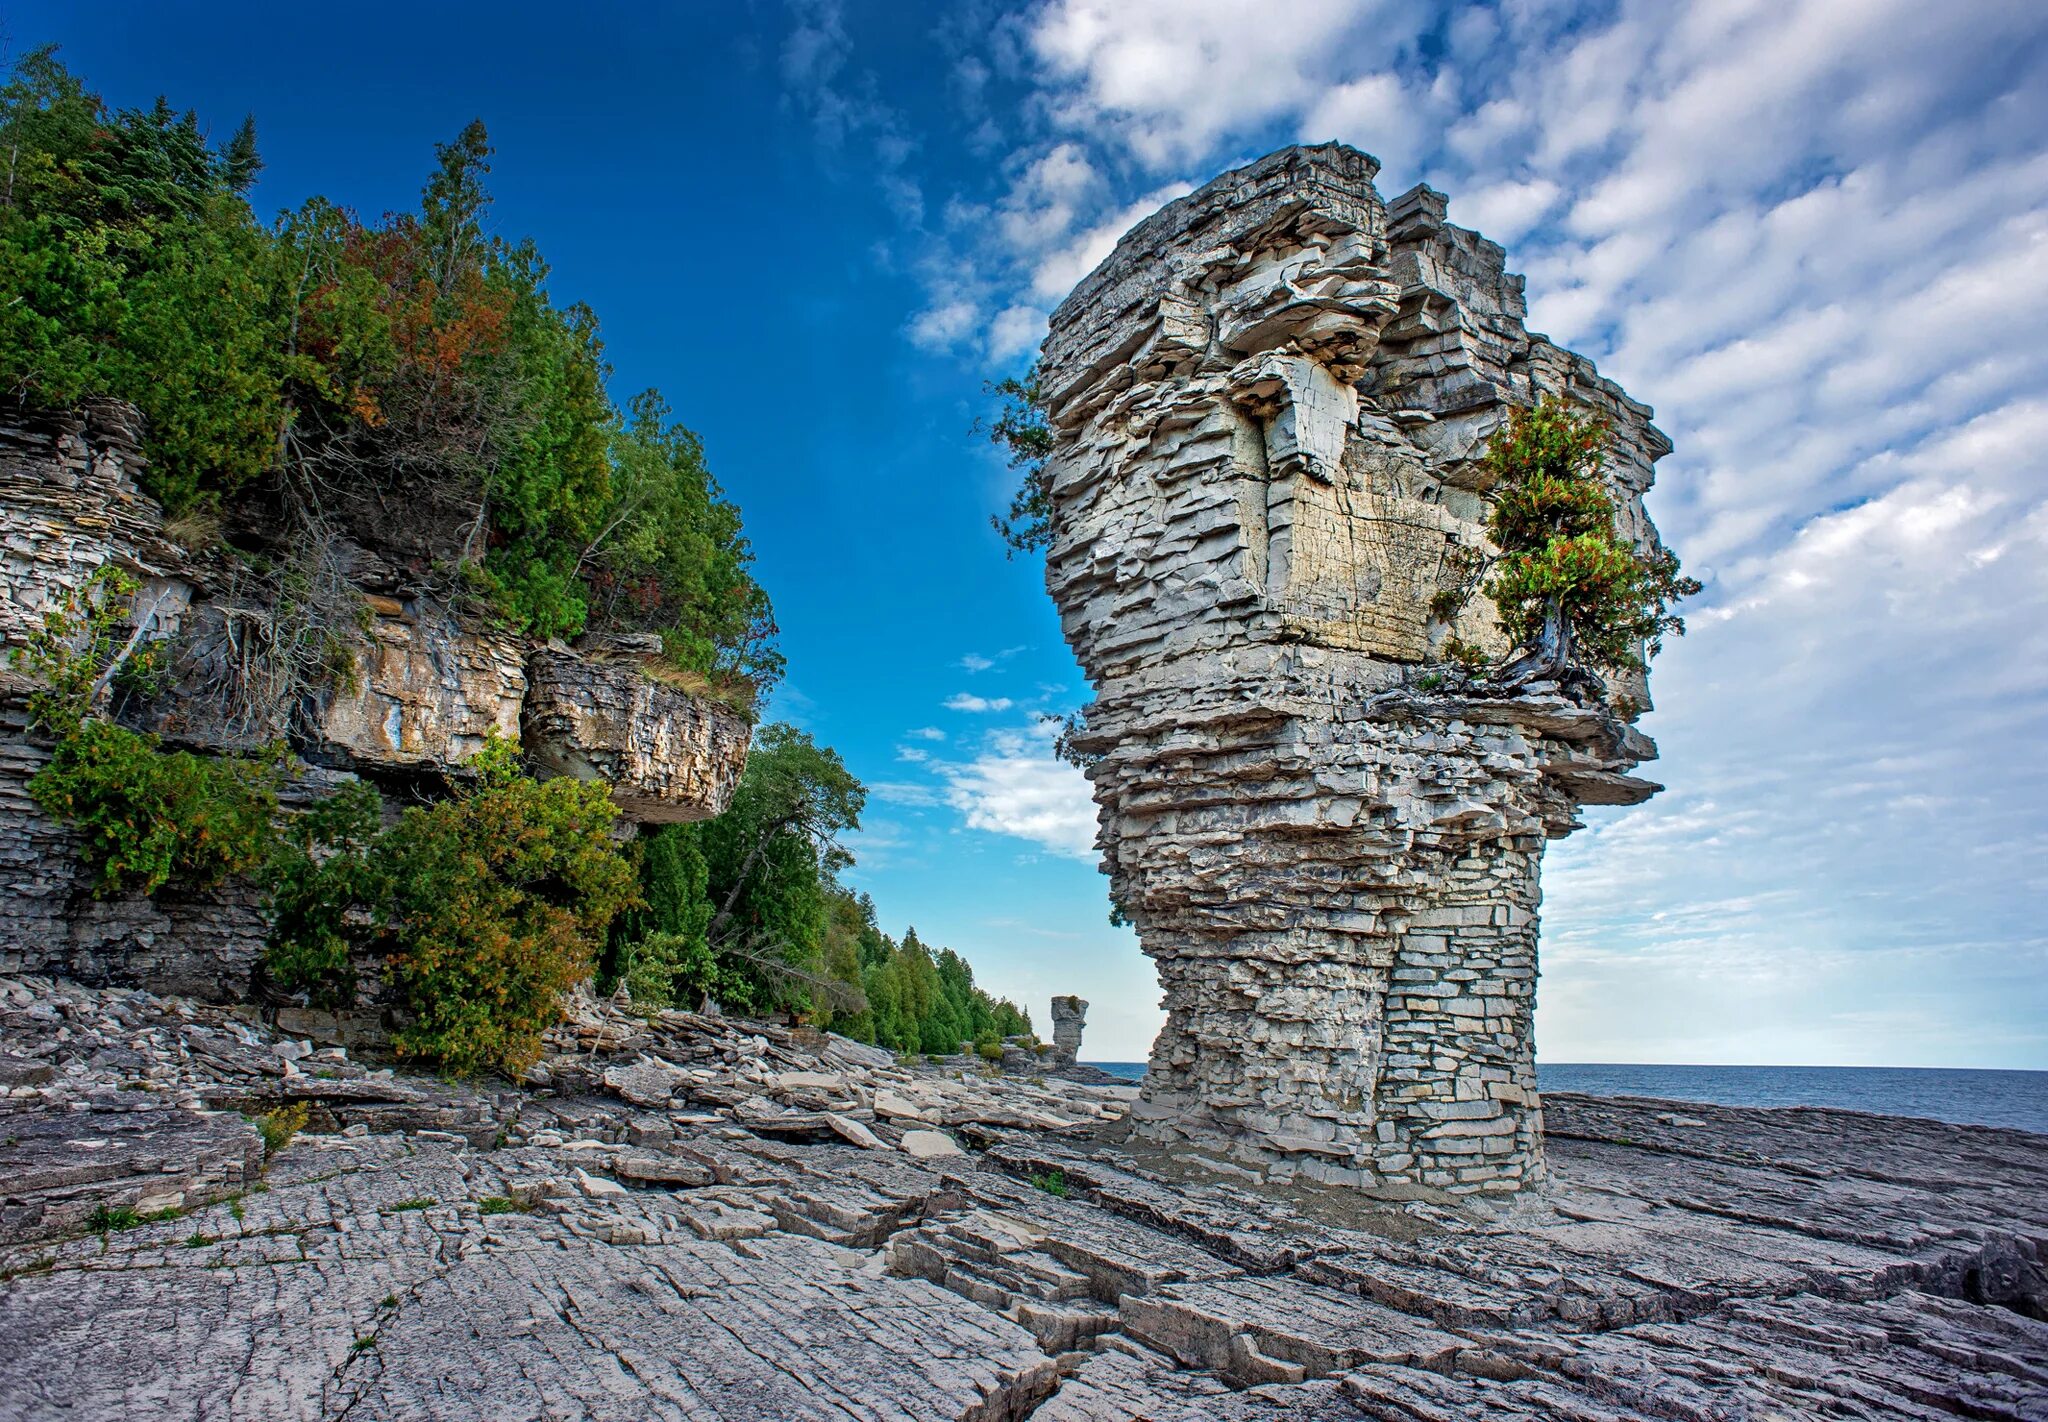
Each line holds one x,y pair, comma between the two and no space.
575,1255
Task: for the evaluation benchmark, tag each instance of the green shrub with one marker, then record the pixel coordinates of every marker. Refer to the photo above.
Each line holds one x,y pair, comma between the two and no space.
670,969
1053,1182
278,1127
990,1051
1567,583
486,907
324,870
106,1218
146,816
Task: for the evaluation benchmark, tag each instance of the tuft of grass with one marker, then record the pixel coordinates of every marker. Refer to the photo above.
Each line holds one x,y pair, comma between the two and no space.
199,1240
278,1127
420,1202
106,1218
1053,1182
235,1208
388,1301
500,1205
363,1344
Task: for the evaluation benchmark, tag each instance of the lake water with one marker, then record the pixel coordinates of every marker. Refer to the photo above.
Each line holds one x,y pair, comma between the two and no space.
1984,1098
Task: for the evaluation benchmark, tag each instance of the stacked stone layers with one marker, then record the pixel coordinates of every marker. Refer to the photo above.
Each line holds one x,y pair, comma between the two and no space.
1268,405
1069,1018
427,689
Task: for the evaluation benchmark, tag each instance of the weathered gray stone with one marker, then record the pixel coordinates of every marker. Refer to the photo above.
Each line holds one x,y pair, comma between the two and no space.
601,713
581,1257
1268,405
1069,1016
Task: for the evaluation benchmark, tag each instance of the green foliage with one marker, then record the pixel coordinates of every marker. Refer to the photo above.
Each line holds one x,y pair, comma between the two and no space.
1053,1182
279,1127
106,1218
325,867
485,907
671,970
989,1051
498,1205
1020,428
144,816
747,909
1567,583
417,1202
414,364
674,560
82,644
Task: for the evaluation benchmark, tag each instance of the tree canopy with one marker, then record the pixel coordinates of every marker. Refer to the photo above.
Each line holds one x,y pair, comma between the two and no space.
408,382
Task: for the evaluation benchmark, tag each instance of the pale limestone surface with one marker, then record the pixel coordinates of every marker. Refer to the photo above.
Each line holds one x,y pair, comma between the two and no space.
1268,404
593,713
668,1220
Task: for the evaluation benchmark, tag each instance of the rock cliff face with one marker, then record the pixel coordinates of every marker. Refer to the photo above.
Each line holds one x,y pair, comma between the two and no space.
1069,1016
424,689
1269,403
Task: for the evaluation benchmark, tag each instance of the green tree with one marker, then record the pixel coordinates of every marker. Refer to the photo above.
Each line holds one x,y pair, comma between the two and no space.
1570,589
1020,427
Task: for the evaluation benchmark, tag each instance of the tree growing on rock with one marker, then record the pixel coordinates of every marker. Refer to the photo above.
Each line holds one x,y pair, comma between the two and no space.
1572,591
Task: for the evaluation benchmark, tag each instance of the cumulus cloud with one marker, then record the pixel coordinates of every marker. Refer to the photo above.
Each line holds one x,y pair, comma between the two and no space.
1017,787
1815,236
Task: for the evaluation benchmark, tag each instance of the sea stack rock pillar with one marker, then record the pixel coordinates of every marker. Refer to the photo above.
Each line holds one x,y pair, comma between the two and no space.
1269,405
1069,1016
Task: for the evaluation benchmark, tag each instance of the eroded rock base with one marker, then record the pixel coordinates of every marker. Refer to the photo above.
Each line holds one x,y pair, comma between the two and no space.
699,1219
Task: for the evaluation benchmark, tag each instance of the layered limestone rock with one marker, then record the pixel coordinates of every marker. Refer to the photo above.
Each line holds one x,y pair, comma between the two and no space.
694,1218
1069,1017
1269,405
602,713
399,687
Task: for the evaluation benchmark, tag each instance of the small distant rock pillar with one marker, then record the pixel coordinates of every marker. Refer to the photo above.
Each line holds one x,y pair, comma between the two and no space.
1269,408
1069,1016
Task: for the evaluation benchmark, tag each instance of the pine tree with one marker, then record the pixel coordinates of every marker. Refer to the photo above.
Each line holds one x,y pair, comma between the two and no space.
239,161
1571,590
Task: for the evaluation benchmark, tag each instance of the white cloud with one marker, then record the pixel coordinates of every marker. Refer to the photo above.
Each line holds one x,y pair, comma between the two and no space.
1812,234
968,701
944,325
926,733
976,662
1016,329
1017,787
1171,77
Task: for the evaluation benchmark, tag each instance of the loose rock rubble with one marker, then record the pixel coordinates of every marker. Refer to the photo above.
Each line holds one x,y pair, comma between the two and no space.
696,1217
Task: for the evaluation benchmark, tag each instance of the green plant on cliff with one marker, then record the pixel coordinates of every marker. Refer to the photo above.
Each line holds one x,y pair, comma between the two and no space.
144,816
1020,427
483,908
1570,588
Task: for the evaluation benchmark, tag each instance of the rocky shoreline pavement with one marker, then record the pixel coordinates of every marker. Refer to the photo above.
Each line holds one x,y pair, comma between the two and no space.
696,1217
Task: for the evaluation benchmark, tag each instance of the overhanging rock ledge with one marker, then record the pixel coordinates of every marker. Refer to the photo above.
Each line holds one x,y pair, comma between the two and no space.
1269,406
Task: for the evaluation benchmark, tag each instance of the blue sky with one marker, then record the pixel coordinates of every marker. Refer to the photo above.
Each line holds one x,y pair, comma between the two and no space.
1812,233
